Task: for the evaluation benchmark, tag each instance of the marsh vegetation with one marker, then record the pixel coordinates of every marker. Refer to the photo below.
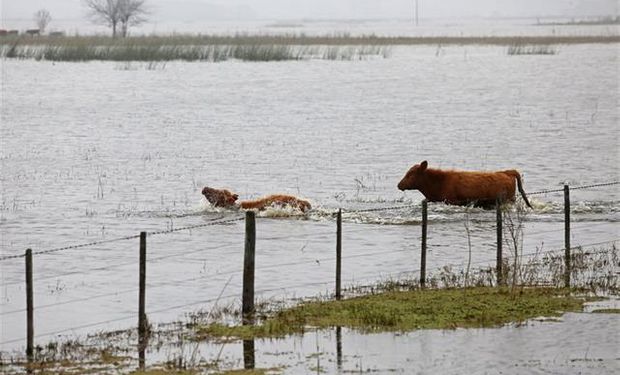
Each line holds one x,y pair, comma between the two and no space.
245,47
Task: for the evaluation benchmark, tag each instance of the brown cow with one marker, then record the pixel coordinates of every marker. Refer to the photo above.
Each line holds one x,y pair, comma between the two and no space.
463,188
224,198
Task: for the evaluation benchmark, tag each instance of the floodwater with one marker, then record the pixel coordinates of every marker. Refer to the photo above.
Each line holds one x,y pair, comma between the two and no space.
96,151
575,344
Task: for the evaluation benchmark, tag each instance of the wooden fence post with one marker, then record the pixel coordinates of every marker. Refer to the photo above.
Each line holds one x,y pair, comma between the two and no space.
423,252
29,307
339,255
498,264
567,259
142,322
247,309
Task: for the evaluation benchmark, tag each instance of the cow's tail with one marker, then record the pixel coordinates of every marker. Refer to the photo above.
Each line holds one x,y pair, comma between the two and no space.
517,176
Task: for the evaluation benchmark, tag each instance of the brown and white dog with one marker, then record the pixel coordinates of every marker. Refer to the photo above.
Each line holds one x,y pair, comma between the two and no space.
225,198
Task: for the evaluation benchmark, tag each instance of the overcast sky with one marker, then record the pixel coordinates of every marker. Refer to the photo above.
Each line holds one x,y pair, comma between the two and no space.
180,10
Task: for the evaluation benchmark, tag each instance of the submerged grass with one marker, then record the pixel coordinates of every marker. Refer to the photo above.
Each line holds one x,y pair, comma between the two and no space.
411,310
520,49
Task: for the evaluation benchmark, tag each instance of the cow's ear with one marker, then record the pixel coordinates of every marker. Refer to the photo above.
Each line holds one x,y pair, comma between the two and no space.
423,165
235,196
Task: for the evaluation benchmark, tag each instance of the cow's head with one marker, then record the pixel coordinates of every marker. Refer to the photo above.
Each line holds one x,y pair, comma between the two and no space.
219,197
414,177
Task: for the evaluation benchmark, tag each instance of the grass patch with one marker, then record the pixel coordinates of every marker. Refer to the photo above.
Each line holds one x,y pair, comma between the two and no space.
411,310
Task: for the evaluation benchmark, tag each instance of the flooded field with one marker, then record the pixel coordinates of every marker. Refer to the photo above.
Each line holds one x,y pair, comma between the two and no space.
534,348
97,151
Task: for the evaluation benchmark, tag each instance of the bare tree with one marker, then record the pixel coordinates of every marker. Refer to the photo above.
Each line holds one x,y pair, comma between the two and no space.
131,13
42,18
104,12
117,12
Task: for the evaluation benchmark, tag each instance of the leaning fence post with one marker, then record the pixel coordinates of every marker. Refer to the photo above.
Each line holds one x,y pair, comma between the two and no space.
247,309
567,260
29,307
423,252
339,255
498,264
142,323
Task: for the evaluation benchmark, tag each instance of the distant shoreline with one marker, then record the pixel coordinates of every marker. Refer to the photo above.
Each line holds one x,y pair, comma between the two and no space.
303,40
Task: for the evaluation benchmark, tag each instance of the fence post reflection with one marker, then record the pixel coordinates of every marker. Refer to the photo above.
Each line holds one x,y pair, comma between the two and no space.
248,354
339,347
29,308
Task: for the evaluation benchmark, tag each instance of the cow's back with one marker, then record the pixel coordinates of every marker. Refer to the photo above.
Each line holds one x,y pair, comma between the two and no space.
461,187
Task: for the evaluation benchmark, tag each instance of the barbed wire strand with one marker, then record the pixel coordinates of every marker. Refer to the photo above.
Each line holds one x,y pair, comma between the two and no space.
572,228
89,325
537,253
532,254
123,264
155,259
176,307
547,191
225,273
124,238
126,291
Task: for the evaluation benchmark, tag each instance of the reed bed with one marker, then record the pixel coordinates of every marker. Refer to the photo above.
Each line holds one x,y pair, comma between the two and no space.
251,47
185,48
210,53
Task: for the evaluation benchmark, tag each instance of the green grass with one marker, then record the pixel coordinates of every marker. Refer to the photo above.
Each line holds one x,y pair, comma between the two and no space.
410,310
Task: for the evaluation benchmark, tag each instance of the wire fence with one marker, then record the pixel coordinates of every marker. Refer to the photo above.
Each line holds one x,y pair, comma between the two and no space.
581,187
263,267
222,221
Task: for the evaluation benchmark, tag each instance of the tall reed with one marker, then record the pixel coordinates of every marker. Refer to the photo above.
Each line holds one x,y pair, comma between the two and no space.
168,50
